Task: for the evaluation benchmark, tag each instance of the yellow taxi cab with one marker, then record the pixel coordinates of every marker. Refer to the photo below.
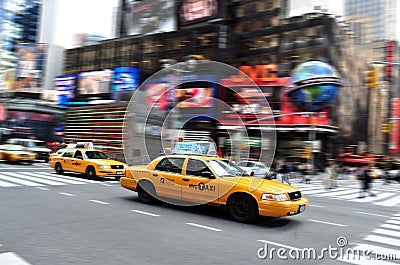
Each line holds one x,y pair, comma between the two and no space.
88,161
16,153
205,178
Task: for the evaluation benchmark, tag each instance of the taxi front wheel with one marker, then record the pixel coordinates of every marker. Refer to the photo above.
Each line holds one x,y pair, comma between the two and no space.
242,208
90,172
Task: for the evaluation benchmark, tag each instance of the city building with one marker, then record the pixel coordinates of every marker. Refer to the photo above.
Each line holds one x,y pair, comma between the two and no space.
246,35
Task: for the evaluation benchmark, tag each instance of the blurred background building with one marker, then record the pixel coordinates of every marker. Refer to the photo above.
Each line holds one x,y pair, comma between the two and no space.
93,81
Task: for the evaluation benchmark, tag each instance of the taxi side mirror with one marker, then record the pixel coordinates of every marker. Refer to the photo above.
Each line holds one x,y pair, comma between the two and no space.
207,174
252,173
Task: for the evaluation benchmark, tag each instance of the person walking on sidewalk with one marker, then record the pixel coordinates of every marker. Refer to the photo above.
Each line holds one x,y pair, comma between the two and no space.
365,181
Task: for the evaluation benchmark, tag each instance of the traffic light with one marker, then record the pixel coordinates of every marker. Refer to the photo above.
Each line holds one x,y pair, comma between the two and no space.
386,127
371,79
306,152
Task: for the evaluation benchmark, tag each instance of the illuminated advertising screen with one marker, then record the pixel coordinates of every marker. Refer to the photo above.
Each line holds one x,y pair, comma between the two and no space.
94,84
125,79
65,87
157,96
30,66
194,11
199,97
150,16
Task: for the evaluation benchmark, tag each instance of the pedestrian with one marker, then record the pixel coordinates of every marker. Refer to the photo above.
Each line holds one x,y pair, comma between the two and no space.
162,152
284,172
365,181
330,175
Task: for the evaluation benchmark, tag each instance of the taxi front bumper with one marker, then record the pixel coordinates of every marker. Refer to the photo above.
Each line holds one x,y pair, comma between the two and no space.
284,208
111,172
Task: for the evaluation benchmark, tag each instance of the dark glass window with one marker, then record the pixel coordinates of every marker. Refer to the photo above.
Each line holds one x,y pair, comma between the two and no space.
170,164
196,168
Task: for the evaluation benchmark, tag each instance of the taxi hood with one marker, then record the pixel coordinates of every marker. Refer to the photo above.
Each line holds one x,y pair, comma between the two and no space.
108,162
265,185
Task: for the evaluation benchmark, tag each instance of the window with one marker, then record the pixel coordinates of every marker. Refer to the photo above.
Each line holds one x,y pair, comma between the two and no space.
78,154
68,154
197,168
172,165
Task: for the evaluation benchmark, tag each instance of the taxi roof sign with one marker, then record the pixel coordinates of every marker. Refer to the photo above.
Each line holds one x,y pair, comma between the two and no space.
195,148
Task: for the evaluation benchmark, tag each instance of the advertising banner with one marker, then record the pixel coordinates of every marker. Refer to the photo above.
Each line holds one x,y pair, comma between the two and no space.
30,66
394,135
150,16
194,11
65,86
94,84
157,96
125,79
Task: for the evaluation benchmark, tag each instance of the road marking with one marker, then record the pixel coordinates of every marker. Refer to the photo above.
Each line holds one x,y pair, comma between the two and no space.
396,227
108,185
99,202
384,240
59,179
7,184
318,206
41,188
205,227
36,179
278,244
396,218
387,232
10,258
392,202
145,213
20,181
379,197
336,192
395,222
66,194
68,177
374,214
323,222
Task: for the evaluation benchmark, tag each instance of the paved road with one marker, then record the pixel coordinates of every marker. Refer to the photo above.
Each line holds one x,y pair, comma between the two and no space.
98,222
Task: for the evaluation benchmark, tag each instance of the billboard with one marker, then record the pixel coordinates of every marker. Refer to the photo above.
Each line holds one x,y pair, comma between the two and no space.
94,84
194,11
150,16
394,135
156,95
124,79
199,97
65,86
30,66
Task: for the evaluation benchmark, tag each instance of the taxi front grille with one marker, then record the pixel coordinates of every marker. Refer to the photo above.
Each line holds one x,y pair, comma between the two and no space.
117,166
295,195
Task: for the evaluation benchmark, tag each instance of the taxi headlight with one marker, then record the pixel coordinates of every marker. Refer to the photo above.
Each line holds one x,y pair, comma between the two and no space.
105,166
274,197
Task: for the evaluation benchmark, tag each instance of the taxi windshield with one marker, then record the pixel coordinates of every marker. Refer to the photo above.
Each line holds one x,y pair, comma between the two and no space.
96,155
225,168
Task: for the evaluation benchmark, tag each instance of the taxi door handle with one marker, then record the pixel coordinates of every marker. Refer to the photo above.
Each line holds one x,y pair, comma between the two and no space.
155,175
185,179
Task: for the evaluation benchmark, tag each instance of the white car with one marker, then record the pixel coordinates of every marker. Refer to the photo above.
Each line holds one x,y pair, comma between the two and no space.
258,168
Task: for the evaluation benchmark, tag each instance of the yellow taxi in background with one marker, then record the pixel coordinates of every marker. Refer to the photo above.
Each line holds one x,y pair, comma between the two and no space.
91,162
16,153
208,179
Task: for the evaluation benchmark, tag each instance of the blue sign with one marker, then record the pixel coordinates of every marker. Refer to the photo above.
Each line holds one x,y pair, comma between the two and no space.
65,87
125,79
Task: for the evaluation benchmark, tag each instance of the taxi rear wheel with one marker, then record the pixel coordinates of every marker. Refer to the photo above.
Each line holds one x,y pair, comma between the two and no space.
59,169
146,192
242,208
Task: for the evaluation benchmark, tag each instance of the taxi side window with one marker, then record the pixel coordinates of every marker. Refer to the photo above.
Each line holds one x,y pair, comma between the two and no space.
68,154
172,165
78,154
197,168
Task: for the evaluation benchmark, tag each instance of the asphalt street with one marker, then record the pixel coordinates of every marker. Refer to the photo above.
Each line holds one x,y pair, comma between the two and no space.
72,220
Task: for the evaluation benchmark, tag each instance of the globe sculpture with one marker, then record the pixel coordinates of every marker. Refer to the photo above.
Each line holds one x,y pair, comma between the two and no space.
313,85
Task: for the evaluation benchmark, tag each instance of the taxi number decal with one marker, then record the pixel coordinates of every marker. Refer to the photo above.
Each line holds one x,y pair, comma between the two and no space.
201,186
76,163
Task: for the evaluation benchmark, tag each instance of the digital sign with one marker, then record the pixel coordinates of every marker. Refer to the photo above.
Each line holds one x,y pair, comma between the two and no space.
30,66
94,84
200,97
125,79
150,16
65,87
156,96
193,11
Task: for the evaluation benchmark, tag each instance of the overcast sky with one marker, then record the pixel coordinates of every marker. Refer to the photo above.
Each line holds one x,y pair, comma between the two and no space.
82,16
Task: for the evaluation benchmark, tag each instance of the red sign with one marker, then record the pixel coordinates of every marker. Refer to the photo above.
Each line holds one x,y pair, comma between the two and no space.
394,136
262,72
390,51
193,11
